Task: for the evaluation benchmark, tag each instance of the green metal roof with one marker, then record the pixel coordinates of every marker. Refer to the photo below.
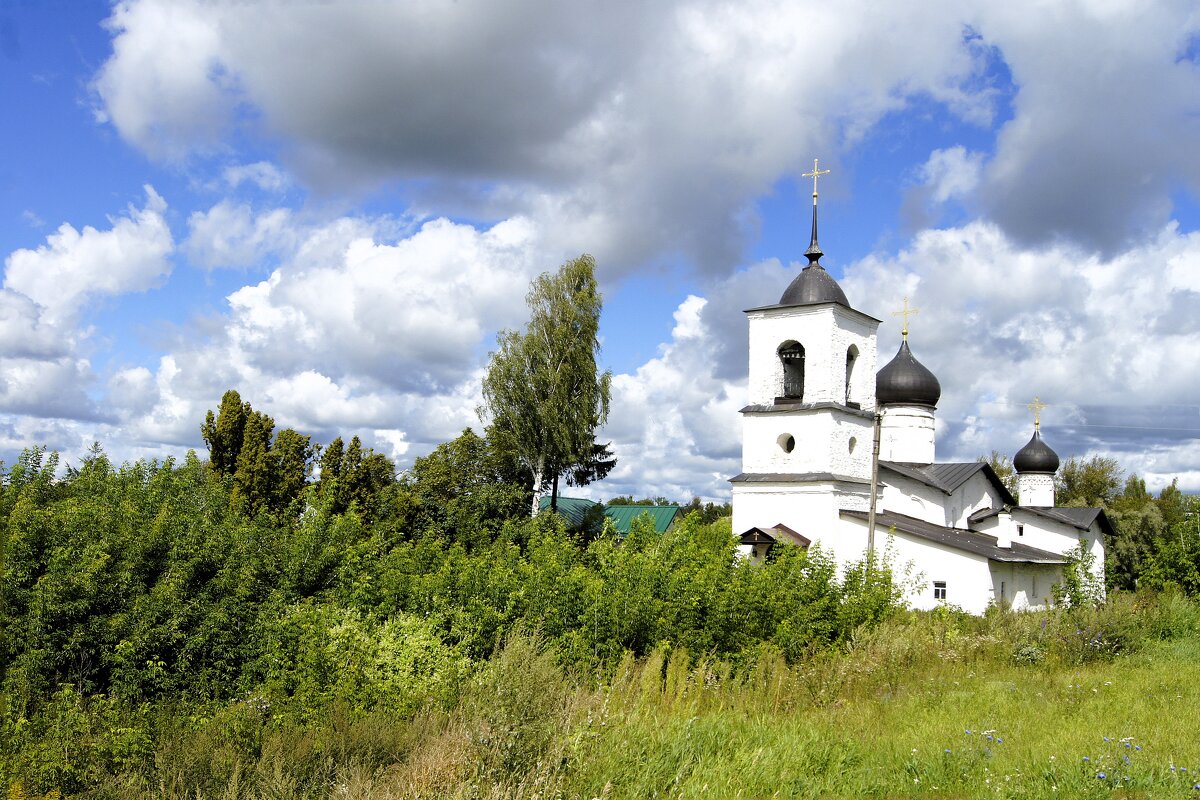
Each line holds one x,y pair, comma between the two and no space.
572,509
661,516
575,509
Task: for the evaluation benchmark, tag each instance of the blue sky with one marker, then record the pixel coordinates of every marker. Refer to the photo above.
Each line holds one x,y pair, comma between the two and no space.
334,208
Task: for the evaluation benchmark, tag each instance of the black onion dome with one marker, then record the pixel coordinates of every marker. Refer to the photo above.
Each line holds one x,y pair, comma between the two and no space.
1035,456
906,381
813,285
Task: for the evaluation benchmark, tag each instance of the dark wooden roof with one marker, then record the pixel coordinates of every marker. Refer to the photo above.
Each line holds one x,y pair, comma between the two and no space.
778,533
968,541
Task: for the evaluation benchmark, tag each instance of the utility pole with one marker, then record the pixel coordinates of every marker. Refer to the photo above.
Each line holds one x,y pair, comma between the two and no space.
874,489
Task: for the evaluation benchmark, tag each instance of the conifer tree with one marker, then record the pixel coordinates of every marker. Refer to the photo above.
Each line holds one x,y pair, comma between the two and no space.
223,432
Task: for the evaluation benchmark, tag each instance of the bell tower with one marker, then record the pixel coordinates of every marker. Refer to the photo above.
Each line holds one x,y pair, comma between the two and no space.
806,432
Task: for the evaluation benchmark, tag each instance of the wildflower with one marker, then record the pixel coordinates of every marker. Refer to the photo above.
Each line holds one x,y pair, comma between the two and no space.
968,731
999,740
1137,747
947,749
1107,739
1085,758
1102,775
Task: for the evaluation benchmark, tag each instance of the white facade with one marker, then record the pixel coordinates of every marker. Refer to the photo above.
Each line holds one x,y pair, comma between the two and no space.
807,463
1036,488
832,335
907,434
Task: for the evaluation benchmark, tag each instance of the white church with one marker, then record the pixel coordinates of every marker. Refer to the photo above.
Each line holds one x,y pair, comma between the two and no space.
810,474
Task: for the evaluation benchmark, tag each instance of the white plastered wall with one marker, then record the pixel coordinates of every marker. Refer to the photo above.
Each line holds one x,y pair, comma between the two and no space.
911,498
810,508
906,434
827,332
975,494
1025,587
1036,489
825,440
967,577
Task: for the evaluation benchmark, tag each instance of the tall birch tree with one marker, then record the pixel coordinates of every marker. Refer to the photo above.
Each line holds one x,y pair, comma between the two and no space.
543,391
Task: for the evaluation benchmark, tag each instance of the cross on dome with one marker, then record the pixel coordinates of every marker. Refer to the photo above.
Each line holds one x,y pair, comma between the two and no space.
906,312
1037,406
814,253
816,173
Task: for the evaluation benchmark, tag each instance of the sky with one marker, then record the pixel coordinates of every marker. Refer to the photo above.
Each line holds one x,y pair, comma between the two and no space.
334,207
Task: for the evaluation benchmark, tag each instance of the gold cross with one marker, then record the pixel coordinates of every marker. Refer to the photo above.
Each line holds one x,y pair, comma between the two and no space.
906,312
816,173
1036,407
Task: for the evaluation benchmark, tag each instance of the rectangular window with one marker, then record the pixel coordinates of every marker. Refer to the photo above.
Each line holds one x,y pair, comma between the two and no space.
1020,530
939,590
1035,586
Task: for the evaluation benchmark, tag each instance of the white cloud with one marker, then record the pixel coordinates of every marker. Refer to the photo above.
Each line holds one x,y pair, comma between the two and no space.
263,174
230,235
165,87
1103,123
356,331
42,374
952,173
635,130
75,265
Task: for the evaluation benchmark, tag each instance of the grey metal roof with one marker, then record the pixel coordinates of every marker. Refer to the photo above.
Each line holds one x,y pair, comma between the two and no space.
813,285
948,476
793,477
967,541
780,408
1081,518
907,381
1036,456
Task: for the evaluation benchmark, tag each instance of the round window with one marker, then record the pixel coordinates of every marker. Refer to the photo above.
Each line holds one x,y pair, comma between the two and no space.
853,443
787,442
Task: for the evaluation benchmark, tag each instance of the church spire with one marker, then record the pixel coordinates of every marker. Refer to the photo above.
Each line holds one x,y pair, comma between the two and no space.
814,253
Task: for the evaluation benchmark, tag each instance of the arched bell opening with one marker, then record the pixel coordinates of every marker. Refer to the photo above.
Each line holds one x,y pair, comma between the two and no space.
791,361
851,358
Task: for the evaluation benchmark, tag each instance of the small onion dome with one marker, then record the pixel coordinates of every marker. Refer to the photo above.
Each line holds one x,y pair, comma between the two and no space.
1035,456
813,285
905,381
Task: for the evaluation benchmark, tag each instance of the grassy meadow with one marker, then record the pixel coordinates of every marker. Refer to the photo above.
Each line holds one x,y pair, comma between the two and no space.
1091,704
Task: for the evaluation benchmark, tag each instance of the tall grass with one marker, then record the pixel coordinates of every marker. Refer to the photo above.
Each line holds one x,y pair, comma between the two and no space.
1063,704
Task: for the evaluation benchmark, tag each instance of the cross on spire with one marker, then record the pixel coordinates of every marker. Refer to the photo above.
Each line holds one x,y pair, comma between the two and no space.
814,253
816,173
906,312
1036,407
